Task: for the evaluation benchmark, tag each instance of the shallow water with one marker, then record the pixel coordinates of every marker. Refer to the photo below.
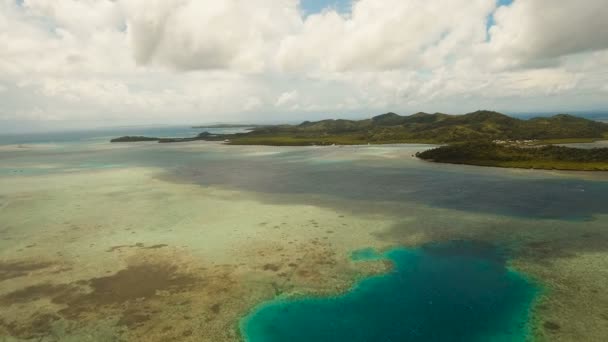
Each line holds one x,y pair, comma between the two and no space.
105,134
250,224
355,173
440,292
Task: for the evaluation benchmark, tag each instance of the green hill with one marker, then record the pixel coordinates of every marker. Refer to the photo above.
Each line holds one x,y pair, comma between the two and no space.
425,128
513,156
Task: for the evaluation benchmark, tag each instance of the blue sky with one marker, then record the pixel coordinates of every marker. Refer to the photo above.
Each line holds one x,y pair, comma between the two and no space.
500,3
315,6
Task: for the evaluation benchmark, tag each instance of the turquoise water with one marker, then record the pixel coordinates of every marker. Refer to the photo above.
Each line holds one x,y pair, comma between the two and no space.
456,291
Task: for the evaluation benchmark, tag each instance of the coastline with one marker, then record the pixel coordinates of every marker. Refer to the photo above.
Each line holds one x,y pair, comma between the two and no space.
513,321
519,155
545,166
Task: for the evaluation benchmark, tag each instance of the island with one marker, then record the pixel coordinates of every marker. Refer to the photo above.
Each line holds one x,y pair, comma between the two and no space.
485,138
513,155
426,128
129,138
226,126
201,136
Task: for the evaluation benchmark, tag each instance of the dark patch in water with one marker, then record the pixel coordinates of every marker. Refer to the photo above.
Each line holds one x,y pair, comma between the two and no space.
37,292
137,282
125,293
119,247
552,326
137,245
180,291
15,269
157,246
37,326
473,189
133,318
271,267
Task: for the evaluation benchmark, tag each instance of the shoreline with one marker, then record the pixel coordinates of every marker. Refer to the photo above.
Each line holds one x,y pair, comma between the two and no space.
529,328
522,167
492,154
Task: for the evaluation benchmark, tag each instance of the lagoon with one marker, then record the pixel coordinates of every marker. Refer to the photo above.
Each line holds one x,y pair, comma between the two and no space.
225,237
456,291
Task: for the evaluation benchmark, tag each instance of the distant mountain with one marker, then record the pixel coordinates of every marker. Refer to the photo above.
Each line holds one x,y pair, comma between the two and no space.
129,138
226,126
426,128
391,128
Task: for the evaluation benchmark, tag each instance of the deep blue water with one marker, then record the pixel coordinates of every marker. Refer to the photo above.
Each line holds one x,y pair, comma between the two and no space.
471,189
455,291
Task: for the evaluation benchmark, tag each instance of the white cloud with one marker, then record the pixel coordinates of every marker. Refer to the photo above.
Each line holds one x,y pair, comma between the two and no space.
388,34
79,17
195,34
203,60
535,32
287,98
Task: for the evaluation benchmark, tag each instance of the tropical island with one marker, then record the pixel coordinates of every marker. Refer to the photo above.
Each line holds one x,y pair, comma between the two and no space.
483,138
426,128
550,157
128,138
226,126
133,138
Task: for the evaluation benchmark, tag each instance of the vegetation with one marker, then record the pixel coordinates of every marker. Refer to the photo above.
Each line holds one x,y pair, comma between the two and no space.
303,140
133,139
480,138
425,128
391,128
226,126
506,155
202,136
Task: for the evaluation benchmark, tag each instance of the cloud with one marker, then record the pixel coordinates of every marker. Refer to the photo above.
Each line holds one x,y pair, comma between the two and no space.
236,60
287,98
536,32
385,35
207,34
80,18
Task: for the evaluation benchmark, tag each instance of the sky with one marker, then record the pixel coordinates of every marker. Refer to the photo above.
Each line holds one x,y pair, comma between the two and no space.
316,6
93,63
